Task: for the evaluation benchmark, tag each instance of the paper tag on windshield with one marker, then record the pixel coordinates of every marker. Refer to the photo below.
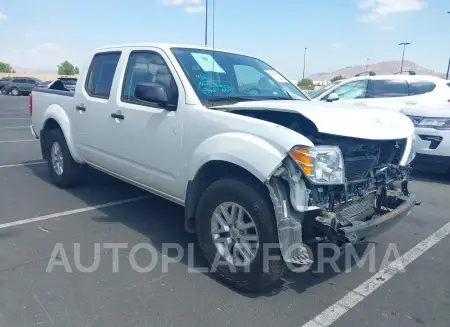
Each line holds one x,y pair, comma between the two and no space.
276,76
207,63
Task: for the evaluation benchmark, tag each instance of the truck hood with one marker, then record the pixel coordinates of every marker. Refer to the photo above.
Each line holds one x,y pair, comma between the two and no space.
338,118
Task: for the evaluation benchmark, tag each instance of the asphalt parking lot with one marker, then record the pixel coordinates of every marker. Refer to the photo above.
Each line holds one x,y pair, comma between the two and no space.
35,216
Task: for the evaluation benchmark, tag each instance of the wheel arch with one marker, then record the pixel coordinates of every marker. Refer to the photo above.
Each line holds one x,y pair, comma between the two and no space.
56,117
208,173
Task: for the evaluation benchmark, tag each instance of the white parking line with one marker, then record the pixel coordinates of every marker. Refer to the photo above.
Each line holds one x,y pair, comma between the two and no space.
13,141
1,118
14,127
337,310
71,212
24,164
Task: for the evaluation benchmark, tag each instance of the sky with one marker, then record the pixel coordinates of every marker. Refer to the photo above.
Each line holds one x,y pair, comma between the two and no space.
38,35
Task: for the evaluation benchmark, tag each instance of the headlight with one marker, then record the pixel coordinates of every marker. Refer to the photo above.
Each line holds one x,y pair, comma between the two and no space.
321,164
438,123
415,119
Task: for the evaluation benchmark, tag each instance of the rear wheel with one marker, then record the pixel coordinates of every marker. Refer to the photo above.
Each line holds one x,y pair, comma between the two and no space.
2,91
64,170
15,91
235,225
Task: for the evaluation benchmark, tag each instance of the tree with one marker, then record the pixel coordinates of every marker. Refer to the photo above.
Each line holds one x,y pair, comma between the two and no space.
6,68
337,78
66,68
76,70
305,82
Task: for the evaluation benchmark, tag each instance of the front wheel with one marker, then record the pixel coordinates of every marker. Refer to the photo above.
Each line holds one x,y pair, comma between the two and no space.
64,170
2,91
15,91
238,235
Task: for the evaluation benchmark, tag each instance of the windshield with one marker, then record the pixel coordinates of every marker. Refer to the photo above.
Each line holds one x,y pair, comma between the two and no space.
319,92
68,81
221,76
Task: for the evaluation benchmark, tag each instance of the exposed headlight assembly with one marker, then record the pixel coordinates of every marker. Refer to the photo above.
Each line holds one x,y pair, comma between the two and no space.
321,164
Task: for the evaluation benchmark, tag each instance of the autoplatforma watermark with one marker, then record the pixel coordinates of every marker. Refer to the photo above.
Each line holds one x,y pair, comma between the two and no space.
325,257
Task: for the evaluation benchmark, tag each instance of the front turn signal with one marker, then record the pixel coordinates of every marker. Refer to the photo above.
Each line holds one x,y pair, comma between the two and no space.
303,157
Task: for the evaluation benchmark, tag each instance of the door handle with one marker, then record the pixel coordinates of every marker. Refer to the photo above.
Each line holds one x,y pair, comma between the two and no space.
81,108
118,116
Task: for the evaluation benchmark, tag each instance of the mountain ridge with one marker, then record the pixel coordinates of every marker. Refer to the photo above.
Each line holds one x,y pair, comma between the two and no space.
379,68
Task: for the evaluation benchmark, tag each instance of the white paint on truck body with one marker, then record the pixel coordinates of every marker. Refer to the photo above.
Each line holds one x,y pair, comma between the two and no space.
163,150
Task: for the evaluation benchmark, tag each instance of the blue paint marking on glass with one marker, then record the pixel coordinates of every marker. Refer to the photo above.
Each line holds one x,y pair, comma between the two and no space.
209,87
202,77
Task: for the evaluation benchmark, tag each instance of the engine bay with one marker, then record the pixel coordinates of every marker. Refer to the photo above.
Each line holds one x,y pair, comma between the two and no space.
374,180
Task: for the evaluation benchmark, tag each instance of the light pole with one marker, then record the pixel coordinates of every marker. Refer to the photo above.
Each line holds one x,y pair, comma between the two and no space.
403,55
367,64
304,62
448,67
206,24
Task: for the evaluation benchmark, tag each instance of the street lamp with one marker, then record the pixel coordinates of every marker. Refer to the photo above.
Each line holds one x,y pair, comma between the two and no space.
403,55
448,67
304,62
367,64
206,24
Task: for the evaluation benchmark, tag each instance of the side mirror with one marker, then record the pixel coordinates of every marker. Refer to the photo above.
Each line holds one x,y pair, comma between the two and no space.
332,97
152,92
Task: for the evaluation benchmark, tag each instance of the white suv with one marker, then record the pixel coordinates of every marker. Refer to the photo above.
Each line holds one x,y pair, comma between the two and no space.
387,91
432,137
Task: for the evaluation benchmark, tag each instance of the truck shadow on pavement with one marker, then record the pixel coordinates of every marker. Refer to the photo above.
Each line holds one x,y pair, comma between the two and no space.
431,177
161,222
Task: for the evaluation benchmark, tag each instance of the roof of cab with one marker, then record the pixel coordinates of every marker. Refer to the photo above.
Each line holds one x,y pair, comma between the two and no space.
398,77
163,46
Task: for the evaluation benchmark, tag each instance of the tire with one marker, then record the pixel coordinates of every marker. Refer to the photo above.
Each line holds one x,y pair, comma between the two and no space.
15,91
71,171
3,91
256,275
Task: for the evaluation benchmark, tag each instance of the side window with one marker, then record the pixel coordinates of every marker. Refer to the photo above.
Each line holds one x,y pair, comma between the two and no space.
101,74
147,67
31,81
420,87
15,80
352,90
387,89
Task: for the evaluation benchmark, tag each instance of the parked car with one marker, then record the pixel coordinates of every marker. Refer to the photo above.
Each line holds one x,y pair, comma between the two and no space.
44,84
4,81
253,166
387,91
433,137
21,85
69,82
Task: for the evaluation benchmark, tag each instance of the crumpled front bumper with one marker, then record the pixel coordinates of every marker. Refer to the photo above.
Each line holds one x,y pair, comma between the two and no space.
359,231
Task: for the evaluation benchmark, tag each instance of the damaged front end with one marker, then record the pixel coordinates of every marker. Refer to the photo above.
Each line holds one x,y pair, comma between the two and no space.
343,190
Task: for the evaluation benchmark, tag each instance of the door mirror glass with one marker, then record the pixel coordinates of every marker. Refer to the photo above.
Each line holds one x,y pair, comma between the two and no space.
152,92
332,97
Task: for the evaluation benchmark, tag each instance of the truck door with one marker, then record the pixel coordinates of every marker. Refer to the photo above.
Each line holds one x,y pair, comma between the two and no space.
92,114
146,136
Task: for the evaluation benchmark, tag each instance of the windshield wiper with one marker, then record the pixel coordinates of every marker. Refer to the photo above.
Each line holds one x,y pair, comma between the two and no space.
233,99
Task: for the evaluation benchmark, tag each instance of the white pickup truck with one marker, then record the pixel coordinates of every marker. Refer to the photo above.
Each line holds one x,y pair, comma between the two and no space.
250,157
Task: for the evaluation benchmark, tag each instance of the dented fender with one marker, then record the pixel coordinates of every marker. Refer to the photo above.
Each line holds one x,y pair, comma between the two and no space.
260,155
290,201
